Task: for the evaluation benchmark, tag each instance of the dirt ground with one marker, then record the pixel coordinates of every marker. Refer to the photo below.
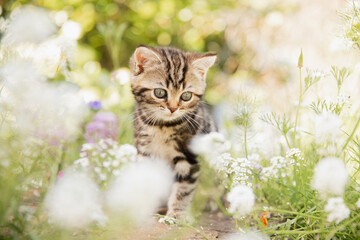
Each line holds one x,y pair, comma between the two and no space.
212,225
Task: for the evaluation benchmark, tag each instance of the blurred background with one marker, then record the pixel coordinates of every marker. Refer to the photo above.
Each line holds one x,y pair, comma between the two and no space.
257,42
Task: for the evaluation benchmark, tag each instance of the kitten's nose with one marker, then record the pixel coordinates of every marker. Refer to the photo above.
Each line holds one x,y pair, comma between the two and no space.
172,109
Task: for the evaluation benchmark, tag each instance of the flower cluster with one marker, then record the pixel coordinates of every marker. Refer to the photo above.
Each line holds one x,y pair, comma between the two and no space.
167,220
32,51
105,158
294,154
74,201
330,177
28,24
241,199
140,189
239,170
280,167
337,210
31,33
47,111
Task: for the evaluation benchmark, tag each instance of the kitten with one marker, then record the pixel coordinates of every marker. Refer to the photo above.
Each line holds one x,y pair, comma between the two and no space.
168,85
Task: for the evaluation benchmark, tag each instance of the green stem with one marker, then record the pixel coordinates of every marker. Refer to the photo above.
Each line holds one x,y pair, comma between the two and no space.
352,134
222,208
297,111
245,141
291,212
302,183
291,232
287,141
341,226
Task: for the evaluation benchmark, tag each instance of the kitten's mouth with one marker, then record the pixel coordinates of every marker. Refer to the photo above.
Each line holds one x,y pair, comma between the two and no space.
172,116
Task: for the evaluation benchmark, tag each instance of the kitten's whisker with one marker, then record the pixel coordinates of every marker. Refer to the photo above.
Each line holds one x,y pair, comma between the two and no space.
188,119
143,113
186,125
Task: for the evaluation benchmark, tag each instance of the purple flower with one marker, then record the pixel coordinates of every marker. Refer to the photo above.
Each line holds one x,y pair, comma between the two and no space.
95,105
104,125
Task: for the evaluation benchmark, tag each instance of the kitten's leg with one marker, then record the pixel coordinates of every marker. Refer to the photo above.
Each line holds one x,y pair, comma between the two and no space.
183,190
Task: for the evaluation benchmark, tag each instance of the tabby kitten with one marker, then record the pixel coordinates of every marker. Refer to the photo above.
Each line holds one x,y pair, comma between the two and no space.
168,85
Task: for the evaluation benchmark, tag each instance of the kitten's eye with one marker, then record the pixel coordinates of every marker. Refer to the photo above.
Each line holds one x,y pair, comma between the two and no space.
159,92
186,96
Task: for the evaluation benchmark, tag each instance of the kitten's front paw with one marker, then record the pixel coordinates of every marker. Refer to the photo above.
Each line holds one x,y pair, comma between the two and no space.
175,214
183,216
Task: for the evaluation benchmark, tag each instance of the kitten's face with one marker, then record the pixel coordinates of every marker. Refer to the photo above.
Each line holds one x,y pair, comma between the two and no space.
168,83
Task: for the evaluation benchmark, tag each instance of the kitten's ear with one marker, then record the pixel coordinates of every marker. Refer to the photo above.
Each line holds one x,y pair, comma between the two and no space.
203,62
142,58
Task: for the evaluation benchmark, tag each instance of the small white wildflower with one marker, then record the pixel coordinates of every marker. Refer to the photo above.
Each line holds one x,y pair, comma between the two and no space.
210,145
29,24
106,164
167,220
330,176
294,153
241,200
327,128
126,153
150,180
74,201
86,147
246,236
71,30
279,167
115,163
83,162
337,210
238,168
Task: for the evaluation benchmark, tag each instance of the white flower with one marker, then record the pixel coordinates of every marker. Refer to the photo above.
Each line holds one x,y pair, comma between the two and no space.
330,176
210,145
29,24
83,162
358,203
71,30
294,153
167,220
337,210
327,128
140,189
241,200
74,201
44,110
246,236
126,153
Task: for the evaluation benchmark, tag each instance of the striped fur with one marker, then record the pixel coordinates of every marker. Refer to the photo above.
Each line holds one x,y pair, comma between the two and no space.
163,134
